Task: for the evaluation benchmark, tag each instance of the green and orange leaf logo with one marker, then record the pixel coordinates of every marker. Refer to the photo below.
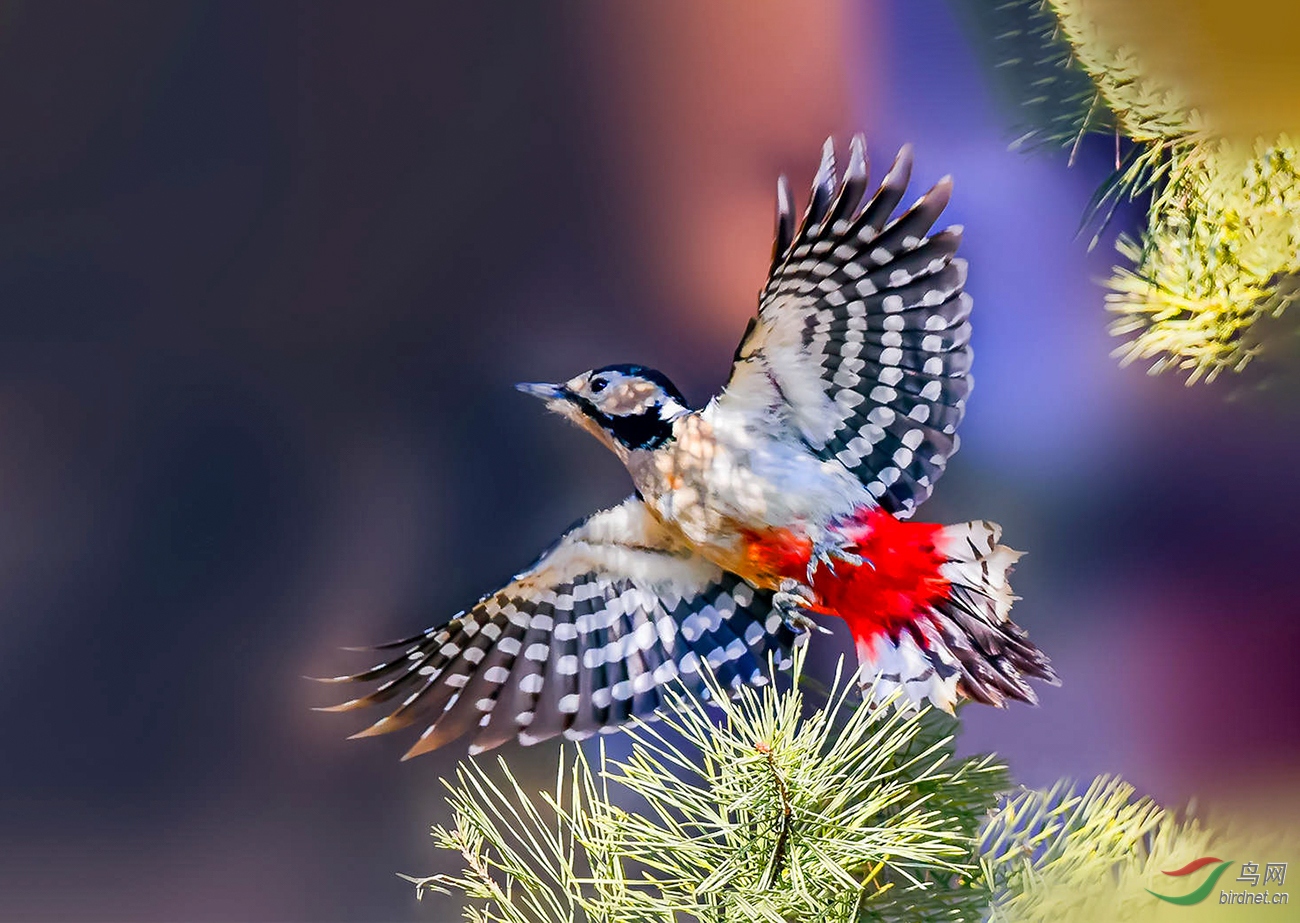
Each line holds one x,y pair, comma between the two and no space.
1191,868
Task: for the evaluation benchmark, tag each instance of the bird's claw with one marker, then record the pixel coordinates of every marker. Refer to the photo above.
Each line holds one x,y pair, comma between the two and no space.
793,600
827,553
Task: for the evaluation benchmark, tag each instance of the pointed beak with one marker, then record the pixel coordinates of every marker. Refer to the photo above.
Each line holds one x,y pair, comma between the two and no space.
542,390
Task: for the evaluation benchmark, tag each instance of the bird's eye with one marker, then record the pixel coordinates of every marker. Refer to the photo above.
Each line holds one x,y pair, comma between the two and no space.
598,385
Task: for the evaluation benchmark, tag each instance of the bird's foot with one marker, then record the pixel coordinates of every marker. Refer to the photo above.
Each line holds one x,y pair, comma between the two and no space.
828,550
795,601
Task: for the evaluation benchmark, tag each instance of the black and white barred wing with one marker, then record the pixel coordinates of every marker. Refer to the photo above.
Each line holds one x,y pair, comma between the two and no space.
581,642
861,342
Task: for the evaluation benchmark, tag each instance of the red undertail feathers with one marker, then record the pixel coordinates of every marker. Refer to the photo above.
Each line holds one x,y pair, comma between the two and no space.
928,607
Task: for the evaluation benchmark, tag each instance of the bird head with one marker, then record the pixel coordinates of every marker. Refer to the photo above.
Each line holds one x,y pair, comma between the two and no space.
627,407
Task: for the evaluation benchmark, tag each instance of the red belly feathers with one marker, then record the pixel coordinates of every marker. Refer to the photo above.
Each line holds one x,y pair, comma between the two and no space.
901,582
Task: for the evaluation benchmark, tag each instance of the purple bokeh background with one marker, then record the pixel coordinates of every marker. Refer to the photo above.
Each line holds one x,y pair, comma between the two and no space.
268,274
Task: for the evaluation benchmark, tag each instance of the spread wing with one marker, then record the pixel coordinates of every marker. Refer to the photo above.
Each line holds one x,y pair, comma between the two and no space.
582,641
861,342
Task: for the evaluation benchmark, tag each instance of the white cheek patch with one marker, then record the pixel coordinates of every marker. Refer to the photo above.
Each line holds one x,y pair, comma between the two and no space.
627,397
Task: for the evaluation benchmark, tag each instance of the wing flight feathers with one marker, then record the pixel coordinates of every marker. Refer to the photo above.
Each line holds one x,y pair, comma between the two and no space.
861,342
582,641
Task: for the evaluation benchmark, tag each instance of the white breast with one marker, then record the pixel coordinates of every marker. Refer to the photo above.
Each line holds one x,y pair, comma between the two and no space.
721,476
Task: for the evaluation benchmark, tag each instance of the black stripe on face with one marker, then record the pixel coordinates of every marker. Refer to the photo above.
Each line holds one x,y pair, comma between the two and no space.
645,430
642,431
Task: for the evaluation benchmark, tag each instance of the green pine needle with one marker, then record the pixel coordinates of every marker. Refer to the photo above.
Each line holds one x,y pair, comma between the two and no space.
1034,66
1219,251
751,807
760,807
1083,856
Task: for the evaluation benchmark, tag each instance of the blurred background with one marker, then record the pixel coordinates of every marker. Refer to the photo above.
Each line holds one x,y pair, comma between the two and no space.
267,275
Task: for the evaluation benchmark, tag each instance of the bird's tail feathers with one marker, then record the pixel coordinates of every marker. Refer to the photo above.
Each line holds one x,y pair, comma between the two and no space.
964,645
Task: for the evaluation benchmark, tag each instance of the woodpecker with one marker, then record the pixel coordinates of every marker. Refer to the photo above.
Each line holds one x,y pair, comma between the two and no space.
788,495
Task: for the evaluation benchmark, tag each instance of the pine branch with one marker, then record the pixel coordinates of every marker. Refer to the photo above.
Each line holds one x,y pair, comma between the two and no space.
1034,67
749,807
1073,856
1219,251
1144,108
759,808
